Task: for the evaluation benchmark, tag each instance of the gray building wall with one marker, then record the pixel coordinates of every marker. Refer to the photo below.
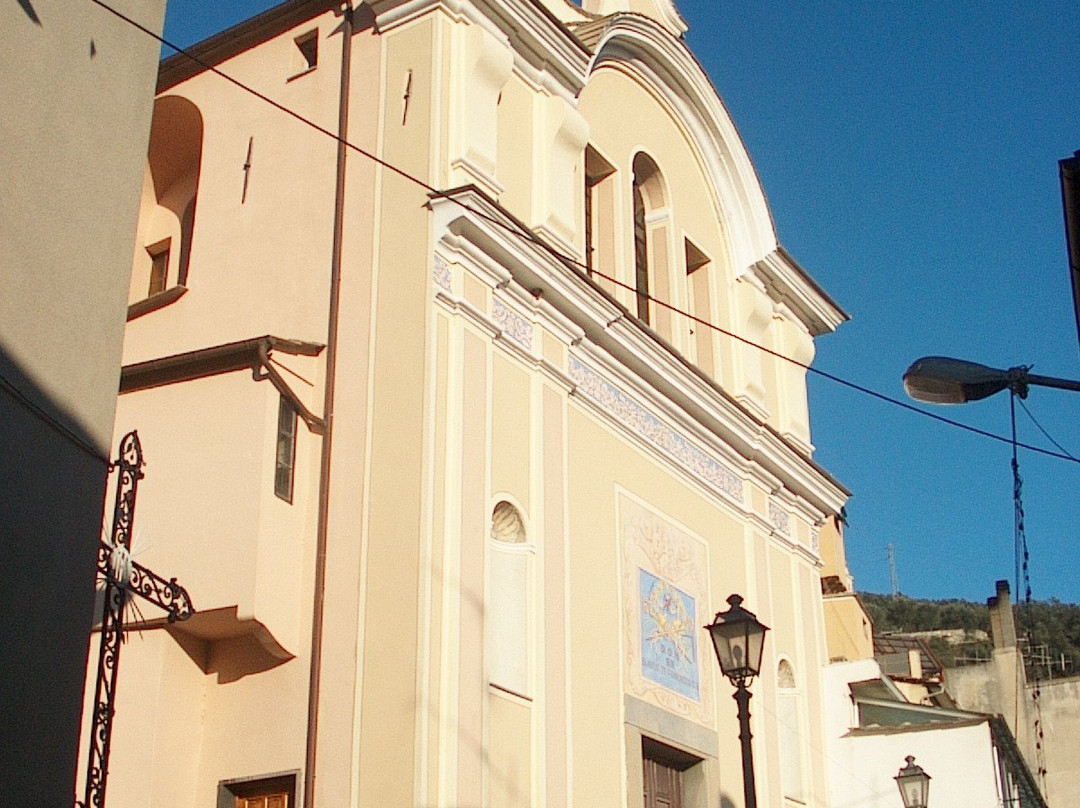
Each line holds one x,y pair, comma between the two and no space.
76,96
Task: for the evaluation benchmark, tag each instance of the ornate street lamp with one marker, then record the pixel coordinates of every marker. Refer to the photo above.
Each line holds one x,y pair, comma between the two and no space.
914,784
941,380
739,638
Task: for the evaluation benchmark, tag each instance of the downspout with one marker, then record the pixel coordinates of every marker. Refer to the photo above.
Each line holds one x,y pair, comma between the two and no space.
319,594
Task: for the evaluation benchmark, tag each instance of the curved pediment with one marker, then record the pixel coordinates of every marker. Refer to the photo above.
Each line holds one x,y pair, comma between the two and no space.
637,47
663,11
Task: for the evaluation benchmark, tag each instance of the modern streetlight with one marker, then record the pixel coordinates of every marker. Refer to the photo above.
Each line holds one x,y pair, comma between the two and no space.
941,380
914,784
739,638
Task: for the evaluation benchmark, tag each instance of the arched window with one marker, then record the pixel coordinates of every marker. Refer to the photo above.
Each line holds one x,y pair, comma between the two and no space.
167,211
649,198
790,731
507,609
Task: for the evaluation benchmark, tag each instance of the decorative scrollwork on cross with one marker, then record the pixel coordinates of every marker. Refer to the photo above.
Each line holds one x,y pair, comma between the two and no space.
122,577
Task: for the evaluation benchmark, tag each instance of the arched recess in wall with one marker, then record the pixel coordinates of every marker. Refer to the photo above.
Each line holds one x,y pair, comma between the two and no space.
507,608
789,719
652,223
170,191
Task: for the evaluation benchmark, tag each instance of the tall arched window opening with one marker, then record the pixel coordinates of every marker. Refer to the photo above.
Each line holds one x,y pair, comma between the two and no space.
650,259
641,255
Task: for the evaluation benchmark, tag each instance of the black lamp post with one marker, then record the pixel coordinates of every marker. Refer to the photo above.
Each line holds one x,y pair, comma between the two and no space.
914,784
739,638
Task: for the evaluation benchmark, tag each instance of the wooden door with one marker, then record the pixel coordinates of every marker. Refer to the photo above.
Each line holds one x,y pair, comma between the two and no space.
663,785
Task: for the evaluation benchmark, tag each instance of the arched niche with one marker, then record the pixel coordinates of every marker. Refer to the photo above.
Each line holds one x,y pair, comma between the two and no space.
170,191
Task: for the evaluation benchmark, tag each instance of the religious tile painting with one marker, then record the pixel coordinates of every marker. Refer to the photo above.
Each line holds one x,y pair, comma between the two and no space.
664,574
668,636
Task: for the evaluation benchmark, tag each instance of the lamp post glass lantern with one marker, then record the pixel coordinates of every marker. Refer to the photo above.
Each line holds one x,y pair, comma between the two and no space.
914,784
739,638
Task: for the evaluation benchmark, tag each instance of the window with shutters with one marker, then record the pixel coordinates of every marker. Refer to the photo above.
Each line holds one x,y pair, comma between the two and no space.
285,455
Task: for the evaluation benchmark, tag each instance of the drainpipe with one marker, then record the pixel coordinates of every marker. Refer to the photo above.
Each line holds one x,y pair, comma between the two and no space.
319,594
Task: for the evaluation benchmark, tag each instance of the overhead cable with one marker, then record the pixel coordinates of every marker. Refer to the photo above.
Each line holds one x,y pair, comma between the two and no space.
523,232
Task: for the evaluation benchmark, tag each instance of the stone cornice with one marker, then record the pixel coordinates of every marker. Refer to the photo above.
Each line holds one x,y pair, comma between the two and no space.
532,31
695,403
788,283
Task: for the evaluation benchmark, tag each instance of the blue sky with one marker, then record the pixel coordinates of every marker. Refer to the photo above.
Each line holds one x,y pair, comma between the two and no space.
909,154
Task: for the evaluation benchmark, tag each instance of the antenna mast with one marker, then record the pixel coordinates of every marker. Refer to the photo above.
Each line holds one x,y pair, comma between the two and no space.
893,578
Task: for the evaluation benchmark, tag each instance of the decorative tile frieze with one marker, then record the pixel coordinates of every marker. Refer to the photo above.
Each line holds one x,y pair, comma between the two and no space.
440,273
779,518
513,326
633,416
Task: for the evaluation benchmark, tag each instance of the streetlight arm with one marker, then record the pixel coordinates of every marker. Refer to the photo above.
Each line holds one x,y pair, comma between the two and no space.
1051,381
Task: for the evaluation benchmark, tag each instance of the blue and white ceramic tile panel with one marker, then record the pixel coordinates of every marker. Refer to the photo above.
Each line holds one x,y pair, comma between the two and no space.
779,518
513,326
440,273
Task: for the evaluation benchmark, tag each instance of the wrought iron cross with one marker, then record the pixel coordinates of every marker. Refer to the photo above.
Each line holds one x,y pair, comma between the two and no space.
123,578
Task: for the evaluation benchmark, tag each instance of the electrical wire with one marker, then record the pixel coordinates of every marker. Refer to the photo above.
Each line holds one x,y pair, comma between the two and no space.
1046,434
523,232
1023,558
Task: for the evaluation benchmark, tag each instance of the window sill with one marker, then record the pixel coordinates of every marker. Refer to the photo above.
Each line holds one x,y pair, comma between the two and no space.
155,302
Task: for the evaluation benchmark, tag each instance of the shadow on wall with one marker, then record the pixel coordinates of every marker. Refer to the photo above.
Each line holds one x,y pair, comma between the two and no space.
52,486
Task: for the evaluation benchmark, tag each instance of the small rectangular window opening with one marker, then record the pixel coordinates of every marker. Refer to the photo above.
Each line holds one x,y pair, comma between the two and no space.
285,460
597,169
159,266
307,52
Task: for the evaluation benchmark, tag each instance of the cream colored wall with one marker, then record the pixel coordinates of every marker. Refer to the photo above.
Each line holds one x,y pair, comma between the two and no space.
848,628
208,516
208,507
520,433
279,237
1060,704
207,513
394,552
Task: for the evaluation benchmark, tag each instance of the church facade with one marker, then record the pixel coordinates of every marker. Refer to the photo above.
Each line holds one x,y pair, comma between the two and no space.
445,350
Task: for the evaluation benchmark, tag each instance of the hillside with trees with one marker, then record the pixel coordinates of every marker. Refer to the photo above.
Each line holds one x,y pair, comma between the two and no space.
1051,628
